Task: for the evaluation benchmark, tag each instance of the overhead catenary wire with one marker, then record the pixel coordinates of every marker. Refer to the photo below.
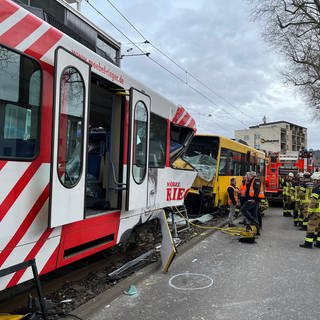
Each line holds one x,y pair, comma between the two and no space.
188,73
153,60
185,81
134,43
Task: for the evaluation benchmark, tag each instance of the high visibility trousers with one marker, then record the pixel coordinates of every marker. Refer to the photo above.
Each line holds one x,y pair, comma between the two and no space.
296,213
301,214
286,209
304,225
317,244
314,222
284,201
308,241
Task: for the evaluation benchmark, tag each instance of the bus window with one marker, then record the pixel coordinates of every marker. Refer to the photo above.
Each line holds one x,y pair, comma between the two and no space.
243,168
254,164
261,167
230,163
20,96
225,159
236,164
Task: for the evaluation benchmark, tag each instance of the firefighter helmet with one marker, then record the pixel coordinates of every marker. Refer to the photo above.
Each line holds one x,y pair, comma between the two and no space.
290,174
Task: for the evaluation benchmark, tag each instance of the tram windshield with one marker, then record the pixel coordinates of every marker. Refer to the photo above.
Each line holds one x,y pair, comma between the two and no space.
180,137
202,154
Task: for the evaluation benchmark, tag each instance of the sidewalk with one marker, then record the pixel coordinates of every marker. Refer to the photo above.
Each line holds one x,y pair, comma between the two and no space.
221,278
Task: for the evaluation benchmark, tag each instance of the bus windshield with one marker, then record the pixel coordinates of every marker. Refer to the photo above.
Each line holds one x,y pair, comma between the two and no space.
202,154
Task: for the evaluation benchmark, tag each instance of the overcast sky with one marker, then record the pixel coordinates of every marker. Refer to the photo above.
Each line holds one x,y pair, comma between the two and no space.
216,42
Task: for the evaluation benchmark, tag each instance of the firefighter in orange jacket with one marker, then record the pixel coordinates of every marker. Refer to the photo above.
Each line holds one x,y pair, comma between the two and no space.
233,200
242,191
251,206
242,196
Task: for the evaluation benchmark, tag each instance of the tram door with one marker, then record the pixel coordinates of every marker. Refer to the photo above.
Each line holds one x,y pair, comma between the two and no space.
69,139
138,157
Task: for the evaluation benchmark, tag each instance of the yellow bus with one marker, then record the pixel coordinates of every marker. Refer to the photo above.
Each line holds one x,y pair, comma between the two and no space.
217,159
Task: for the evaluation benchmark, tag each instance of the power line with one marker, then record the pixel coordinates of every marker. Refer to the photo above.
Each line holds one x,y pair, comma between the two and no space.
149,57
156,62
187,73
166,69
174,62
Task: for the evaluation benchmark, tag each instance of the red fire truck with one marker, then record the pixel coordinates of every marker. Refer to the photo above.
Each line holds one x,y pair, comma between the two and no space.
278,165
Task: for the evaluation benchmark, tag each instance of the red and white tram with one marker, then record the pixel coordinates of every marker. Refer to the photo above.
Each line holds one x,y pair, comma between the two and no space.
86,152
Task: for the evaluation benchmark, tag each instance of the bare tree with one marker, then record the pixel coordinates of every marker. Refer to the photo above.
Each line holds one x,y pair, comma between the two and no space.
293,27
7,57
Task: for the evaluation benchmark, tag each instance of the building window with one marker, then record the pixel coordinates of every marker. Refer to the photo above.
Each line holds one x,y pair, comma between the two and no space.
246,138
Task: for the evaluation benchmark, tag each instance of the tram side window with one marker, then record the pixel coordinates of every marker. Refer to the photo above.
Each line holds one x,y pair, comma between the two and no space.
158,142
71,127
20,98
140,139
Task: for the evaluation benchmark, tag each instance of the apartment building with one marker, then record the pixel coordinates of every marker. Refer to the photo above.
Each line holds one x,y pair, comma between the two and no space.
279,136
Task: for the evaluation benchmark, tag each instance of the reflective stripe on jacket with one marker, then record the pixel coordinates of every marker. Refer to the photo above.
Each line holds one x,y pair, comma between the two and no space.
243,189
251,190
235,193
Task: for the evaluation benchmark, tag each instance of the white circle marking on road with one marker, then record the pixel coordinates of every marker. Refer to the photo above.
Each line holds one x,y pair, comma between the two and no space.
190,288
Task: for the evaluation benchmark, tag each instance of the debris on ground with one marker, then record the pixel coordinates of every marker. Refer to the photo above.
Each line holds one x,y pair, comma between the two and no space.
132,290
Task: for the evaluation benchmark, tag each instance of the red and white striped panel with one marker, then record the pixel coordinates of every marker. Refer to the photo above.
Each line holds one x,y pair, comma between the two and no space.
24,234
24,186
28,33
22,30
183,118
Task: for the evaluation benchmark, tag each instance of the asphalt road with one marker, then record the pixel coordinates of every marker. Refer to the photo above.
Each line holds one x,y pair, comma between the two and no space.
221,278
